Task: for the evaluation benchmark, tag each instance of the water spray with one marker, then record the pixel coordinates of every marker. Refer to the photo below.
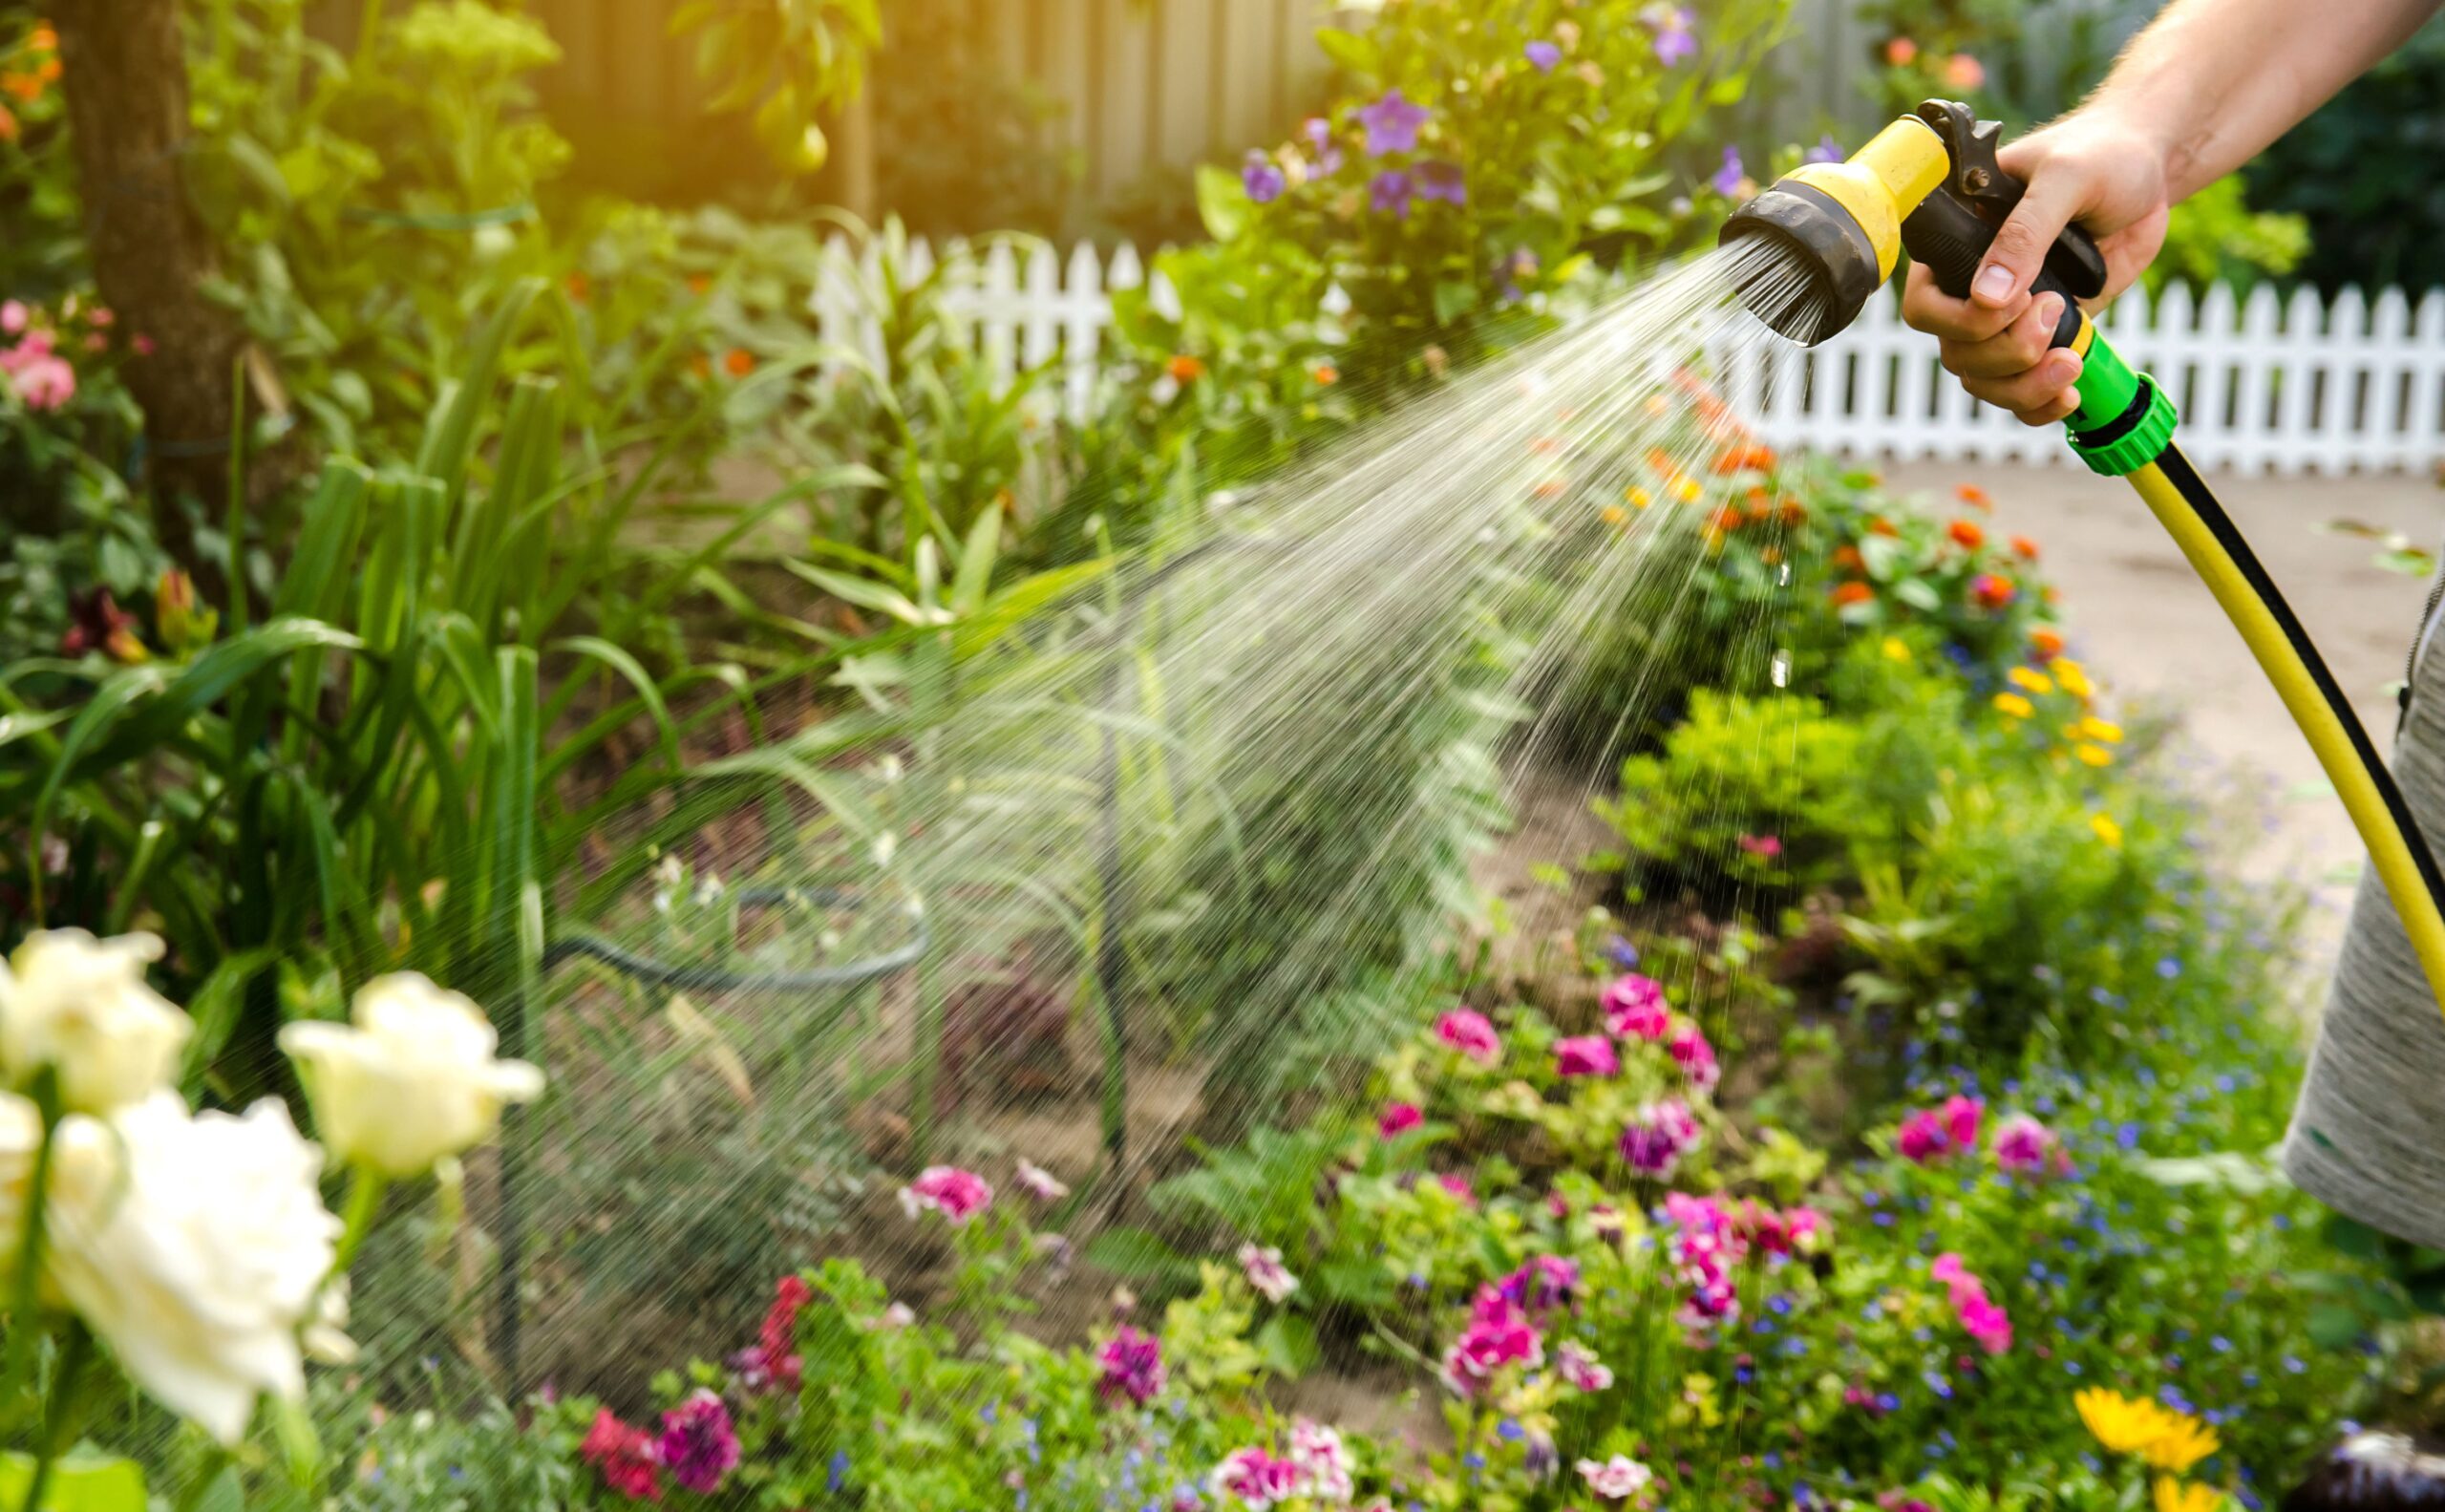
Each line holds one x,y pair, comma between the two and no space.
1929,183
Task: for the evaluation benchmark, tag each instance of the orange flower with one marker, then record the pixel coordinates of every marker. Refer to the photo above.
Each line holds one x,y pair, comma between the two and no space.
1964,72
1771,556
25,86
738,362
2046,641
1795,513
2025,549
8,125
700,283
1185,369
1849,560
1726,520
42,38
579,286
1966,534
1973,496
1901,51
1552,488
1846,594
1660,460
1545,446
1737,458
1878,526
1327,374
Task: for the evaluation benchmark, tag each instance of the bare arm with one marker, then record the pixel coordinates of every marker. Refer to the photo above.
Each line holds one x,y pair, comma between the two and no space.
2210,83
2201,92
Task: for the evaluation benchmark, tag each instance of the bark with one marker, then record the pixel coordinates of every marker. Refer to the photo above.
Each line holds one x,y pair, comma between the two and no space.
123,67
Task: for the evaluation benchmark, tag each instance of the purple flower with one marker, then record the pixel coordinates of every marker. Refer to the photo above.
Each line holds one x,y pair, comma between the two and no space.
1262,178
1728,178
1826,150
698,1445
1320,137
1391,124
1132,1367
1389,191
1442,180
1673,30
1658,1136
1546,55
2023,1145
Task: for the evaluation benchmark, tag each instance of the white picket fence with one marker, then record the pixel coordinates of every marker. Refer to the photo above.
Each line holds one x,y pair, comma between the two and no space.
2263,384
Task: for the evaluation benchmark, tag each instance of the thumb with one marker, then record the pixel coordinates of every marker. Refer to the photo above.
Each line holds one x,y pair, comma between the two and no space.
2019,250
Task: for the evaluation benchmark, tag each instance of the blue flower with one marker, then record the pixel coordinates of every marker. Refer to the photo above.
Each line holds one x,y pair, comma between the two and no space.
1545,56
1389,192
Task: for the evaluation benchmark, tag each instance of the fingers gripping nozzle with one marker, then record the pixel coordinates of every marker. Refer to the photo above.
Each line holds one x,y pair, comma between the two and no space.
1828,235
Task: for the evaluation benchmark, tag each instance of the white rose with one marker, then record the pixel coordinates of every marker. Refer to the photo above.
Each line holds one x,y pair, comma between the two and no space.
20,1139
79,1004
195,1247
414,1081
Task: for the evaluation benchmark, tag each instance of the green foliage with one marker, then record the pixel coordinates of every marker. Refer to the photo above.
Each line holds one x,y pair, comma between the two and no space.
1769,772
2216,238
784,63
2354,172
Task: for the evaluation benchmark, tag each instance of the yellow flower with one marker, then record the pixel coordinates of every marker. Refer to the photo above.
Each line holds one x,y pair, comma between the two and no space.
1639,497
1685,490
2123,1425
2107,830
2094,755
2173,1496
2185,1442
1616,515
2013,706
1896,649
2073,677
2105,731
2029,681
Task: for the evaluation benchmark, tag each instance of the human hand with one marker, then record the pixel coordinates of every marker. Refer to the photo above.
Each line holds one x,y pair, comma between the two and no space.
2088,167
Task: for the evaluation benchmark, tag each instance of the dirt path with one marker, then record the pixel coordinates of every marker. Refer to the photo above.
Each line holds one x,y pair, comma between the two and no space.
2139,617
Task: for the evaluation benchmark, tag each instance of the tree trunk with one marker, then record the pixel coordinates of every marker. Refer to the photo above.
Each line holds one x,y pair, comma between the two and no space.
123,67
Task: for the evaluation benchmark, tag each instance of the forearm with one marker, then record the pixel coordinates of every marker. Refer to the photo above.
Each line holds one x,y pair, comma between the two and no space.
2210,83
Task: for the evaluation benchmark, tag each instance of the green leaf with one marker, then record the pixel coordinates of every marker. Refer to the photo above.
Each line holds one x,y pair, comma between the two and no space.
1351,50
2332,1326
81,1482
1453,299
1142,1255
1221,201
1287,1342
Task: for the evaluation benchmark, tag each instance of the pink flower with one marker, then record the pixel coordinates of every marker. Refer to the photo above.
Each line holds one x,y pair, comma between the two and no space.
1634,1008
1658,1136
1499,1335
1398,1118
1806,1230
1696,1057
144,344
1964,72
1541,1285
1266,1271
13,316
1471,1033
1132,1367
957,1195
37,346
1616,1479
1936,1134
771,1364
1580,1369
1586,1056
2023,1145
626,1457
1765,847
698,1444
45,384
1256,1478
1981,1317
1321,1461
1040,1184
1457,1183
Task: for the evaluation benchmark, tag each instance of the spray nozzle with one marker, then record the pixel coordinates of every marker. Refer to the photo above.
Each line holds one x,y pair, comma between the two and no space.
1827,235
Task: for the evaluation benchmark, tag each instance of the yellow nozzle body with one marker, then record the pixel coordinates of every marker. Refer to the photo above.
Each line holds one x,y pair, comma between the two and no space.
1882,182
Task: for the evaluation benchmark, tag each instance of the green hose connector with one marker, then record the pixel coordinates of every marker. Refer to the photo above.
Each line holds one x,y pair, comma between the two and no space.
2125,420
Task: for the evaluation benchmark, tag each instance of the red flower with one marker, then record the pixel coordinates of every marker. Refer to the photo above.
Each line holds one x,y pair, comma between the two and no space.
626,1455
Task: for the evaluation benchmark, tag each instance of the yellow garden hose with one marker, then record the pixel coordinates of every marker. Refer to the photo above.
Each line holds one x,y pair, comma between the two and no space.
1931,181
2198,524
